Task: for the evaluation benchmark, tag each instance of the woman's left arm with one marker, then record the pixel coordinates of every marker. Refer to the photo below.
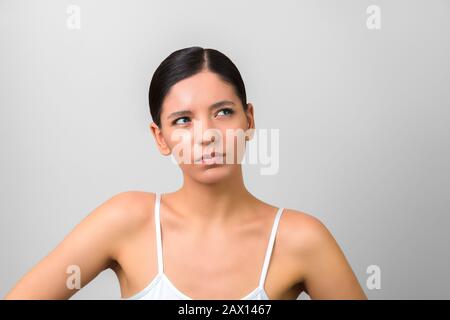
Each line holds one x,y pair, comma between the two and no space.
328,274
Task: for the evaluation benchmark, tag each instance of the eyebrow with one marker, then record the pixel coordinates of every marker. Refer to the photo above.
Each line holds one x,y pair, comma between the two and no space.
212,107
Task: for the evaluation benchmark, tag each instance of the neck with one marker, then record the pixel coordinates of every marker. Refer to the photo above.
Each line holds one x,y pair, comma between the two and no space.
216,203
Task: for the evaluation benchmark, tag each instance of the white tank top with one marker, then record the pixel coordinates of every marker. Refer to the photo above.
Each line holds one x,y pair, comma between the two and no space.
161,288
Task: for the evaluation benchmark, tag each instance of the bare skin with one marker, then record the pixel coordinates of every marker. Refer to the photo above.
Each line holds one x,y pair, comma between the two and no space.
215,232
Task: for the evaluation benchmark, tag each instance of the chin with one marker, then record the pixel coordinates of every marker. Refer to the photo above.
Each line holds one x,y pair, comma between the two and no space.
212,174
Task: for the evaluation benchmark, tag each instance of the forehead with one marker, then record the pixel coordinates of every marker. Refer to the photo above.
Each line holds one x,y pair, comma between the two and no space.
198,91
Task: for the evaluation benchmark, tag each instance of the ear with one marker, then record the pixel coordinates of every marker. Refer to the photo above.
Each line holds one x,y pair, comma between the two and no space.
250,120
159,138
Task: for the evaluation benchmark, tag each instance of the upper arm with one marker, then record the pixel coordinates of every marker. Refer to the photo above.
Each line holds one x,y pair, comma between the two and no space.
327,273
90,247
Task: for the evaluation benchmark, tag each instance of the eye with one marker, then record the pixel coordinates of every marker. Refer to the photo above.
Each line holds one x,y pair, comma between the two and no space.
227,111
179,120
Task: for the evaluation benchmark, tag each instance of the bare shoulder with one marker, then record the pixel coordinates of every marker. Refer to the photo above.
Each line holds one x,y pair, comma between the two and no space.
120,216
116,221
128,209
326,272
303,232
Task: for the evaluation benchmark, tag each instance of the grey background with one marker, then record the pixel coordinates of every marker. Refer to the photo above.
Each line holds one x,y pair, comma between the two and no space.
363,118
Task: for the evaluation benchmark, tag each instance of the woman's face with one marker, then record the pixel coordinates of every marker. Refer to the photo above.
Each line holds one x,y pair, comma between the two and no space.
203,126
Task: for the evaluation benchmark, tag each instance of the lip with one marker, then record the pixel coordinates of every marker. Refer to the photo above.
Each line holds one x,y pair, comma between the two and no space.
209,159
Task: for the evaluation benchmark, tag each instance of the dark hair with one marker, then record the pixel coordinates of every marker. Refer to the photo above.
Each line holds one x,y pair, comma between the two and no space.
187,62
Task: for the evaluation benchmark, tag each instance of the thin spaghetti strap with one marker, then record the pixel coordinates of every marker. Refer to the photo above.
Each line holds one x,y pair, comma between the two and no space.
270,248
158,233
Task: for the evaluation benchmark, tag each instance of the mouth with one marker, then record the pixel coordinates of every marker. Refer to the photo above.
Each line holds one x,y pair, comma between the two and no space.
211,158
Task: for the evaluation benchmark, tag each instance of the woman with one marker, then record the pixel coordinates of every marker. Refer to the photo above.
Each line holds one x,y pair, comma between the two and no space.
219,241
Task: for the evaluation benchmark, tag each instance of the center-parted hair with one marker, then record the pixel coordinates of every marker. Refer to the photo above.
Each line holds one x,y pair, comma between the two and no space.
184,63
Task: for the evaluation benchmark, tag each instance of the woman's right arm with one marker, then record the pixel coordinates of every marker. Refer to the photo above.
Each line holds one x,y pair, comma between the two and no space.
87,250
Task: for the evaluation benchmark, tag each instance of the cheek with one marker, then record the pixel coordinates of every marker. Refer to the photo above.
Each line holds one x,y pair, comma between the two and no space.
234,144
179,141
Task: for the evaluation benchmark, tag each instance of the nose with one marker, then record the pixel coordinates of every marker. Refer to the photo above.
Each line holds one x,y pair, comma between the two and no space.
205,133
207,139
